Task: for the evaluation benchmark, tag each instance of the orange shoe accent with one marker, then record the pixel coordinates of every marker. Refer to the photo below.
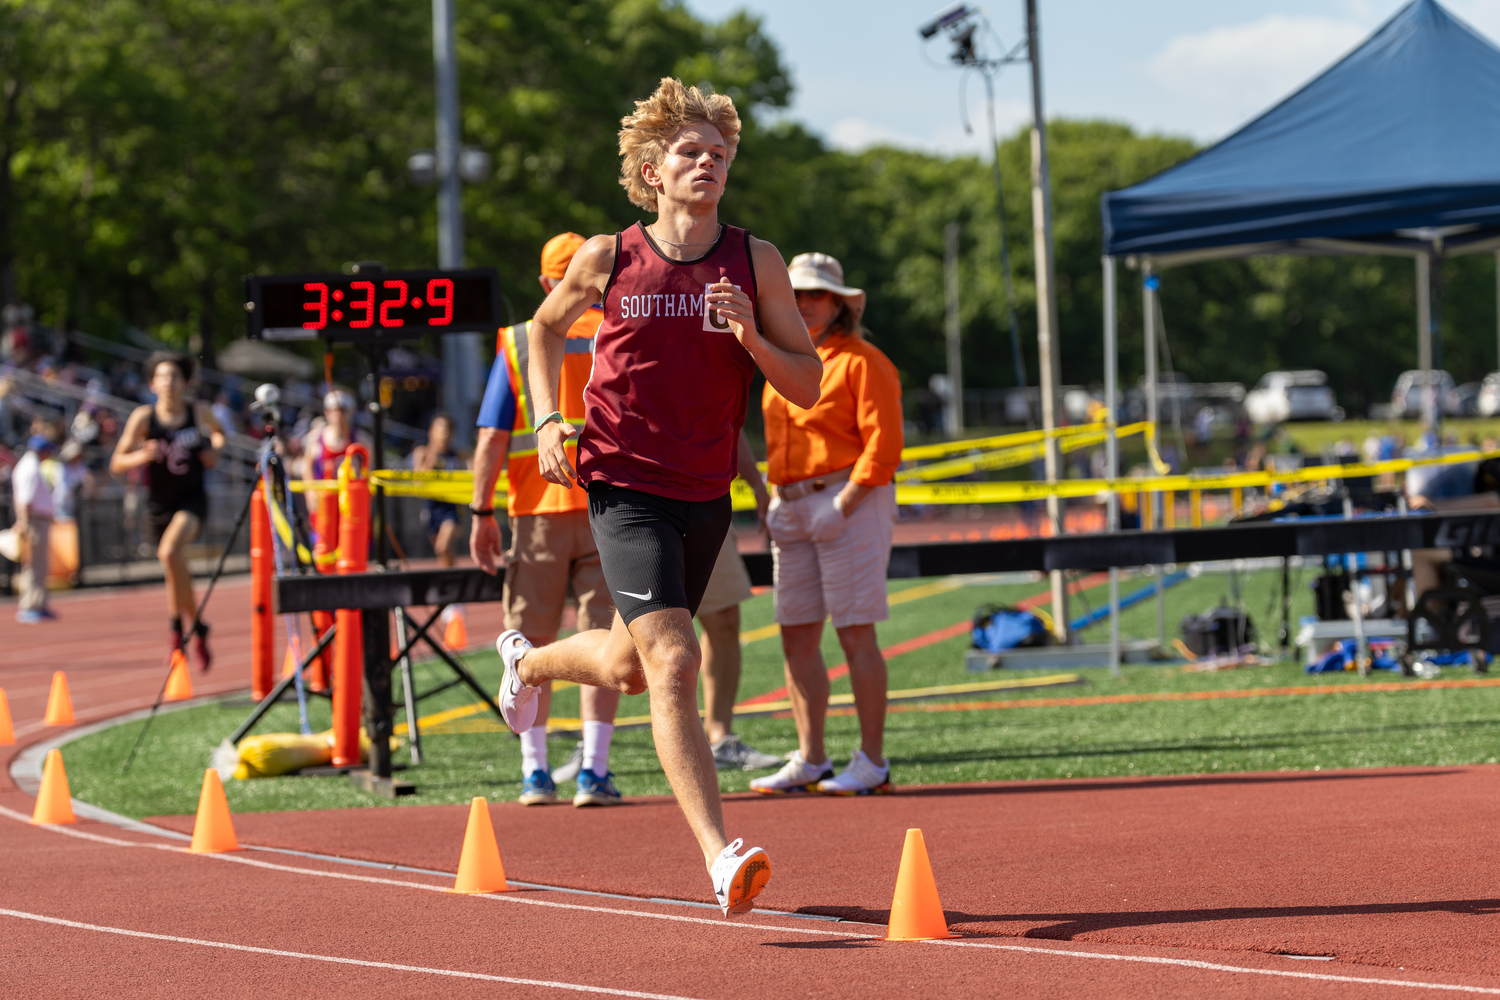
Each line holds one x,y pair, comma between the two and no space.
456,633
213,830
59,704
479,867
7,731
916,912
54,804
179,684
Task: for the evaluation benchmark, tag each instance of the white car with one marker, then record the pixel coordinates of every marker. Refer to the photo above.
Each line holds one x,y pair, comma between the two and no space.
1298,395
1489,395
1410,394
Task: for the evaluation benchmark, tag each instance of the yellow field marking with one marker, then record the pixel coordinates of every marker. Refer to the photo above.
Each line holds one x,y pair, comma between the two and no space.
942,586
489,724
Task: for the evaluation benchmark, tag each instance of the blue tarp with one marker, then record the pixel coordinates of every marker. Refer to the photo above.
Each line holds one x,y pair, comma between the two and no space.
1401,134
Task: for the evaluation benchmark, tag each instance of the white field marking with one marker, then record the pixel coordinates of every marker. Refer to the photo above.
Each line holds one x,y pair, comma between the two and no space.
1216,967
375,880
279,953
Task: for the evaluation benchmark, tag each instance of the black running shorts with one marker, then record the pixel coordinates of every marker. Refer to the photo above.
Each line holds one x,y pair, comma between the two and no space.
656,552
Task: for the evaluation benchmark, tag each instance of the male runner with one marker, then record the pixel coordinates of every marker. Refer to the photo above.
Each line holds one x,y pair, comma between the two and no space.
551,546
173,439
691,307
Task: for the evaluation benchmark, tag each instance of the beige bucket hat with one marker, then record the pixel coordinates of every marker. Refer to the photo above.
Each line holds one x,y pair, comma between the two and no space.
811,271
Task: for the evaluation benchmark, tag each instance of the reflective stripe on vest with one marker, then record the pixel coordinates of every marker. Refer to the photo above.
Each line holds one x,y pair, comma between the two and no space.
517,358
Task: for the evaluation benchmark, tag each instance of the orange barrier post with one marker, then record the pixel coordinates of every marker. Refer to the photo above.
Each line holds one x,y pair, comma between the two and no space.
59,704
179,684
54,804
262,622
213,830
1169,510
7,731
916,911
348,644
325,516
1236,502
1195,501
479,867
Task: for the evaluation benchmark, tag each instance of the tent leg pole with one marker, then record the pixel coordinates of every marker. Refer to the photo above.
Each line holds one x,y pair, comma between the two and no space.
1112,453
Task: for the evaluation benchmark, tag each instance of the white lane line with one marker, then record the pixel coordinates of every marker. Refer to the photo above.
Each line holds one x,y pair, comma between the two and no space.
335,960
507,897
511,898
1216,967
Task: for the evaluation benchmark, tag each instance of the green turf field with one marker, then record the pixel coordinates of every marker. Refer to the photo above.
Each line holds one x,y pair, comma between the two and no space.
1411,727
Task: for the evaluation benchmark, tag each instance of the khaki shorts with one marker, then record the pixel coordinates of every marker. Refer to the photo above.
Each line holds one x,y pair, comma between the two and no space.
828,565
549,555
729,584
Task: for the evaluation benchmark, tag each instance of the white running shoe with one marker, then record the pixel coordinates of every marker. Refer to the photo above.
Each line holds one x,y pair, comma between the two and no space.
861,777
797,775
517,701
739,878
571,767
734,754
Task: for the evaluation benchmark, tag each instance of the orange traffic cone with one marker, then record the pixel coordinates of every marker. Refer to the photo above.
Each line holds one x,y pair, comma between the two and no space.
59,705
293,657
916,912
179,684
479,867
456,632
7,732
213,831
53,802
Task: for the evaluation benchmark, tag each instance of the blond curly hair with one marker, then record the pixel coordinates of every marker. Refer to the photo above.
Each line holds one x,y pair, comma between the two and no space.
645,134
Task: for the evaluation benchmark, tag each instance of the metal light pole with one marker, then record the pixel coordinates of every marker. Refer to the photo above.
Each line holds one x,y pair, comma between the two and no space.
1112,453
953,417
1046,301
463,356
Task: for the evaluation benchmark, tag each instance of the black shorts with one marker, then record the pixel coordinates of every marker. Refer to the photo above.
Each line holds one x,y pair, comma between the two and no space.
657,553
159,515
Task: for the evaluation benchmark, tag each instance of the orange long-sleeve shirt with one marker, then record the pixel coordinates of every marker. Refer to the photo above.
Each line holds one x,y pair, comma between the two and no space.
856,421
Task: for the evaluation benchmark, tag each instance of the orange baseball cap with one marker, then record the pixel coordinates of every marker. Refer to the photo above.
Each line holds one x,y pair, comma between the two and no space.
558,252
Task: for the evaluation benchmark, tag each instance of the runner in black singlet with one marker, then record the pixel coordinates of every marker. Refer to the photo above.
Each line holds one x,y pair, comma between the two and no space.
172,441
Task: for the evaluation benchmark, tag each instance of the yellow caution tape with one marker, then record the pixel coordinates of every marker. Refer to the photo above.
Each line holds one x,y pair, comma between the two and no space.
457,487
1009,458
921,451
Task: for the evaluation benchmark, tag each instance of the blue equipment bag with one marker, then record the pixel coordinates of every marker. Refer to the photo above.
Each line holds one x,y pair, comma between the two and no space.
998,628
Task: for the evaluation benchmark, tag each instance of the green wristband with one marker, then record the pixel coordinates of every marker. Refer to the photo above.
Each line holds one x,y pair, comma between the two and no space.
554,415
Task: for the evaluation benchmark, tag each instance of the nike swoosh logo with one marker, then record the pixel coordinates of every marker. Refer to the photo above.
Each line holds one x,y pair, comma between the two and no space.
640,597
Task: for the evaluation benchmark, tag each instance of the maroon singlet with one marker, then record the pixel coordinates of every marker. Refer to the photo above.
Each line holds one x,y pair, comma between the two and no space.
667,396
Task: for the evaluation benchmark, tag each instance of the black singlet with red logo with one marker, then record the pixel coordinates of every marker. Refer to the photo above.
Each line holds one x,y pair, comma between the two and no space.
175,480
667,396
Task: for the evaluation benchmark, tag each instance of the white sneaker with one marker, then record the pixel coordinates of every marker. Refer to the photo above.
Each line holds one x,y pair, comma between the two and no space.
797,775
739,878
517,701
861,777
733,754
571,767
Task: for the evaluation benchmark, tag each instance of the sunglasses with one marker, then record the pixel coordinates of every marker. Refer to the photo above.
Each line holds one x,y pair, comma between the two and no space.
816,294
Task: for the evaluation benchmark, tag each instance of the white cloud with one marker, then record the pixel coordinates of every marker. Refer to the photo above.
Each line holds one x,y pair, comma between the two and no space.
1234,72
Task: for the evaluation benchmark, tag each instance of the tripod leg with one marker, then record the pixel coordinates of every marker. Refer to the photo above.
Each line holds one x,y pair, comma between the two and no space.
413,730
223,557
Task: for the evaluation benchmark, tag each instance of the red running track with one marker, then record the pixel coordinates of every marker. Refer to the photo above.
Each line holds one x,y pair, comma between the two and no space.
1136,887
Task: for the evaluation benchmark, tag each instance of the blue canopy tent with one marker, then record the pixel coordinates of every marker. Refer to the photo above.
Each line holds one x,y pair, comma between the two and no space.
1395,149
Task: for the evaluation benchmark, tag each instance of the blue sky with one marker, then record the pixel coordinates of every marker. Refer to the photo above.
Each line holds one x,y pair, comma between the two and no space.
1198,68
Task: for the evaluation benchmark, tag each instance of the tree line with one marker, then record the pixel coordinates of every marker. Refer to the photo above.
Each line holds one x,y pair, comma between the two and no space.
152,153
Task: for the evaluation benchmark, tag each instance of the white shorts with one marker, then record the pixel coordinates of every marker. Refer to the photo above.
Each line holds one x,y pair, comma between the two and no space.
828,565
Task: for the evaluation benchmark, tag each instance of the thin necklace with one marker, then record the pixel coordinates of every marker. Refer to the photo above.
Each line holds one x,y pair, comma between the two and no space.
671,244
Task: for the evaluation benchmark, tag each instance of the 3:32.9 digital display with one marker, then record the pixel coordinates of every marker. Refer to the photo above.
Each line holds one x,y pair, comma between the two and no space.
374,305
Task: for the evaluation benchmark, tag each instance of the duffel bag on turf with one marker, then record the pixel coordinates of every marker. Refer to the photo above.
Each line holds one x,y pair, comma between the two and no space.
999,627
